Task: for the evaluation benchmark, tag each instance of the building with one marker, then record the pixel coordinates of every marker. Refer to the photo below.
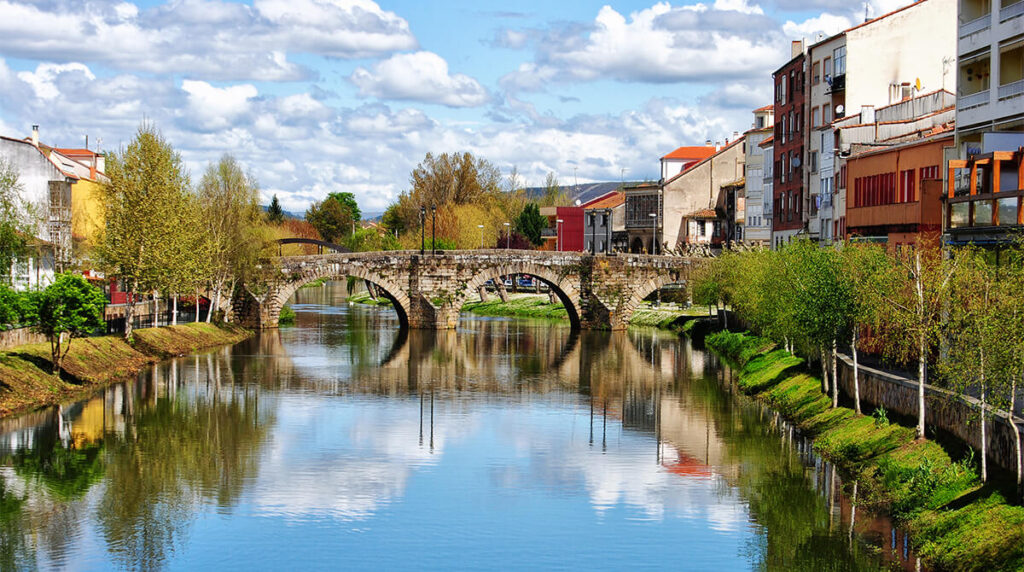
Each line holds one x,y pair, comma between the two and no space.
604,221
896,191
983,204
643,206
683,158
702,227
768,201
989,74
790,112
757,218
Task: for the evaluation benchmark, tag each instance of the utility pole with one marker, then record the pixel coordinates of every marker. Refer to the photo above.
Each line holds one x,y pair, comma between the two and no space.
481,227
423,223
433,231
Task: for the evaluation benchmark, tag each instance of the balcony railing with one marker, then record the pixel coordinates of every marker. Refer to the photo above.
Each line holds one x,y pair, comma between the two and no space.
973,100
1012,89
975,26
1007,12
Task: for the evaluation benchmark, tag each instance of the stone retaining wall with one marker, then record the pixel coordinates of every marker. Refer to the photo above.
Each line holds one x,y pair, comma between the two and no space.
18,337
944,410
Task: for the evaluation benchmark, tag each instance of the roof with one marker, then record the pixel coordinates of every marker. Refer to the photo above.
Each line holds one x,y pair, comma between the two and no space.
76,152
45,154
770,140
608,202
692,153
765,108
867,22
938,133
689,167
598,199
703,214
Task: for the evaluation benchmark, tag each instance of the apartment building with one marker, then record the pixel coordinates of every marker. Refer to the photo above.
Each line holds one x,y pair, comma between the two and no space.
790,112
702,186
757,219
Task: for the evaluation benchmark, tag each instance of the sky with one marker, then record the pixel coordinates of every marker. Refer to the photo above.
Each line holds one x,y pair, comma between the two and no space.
319,96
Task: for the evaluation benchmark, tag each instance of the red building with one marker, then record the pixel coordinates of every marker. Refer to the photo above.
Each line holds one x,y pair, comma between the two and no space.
788,173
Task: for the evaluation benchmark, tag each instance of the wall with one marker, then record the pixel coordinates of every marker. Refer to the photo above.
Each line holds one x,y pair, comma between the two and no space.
789,143
86,211
18,337
571,229
756,228
944,410
34,173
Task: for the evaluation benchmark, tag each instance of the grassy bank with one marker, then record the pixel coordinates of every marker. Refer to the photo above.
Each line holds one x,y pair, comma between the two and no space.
364,298
521,305
26,381
956,523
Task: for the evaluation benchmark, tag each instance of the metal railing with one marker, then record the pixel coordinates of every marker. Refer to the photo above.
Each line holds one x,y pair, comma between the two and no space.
1012,89
973,100
975,26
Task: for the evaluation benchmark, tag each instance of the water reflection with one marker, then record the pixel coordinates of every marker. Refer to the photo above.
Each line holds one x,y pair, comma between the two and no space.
510,443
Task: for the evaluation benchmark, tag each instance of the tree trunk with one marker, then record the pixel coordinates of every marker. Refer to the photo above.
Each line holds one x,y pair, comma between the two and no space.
824,371
174,310
197,305
156,309
922,370
213,302
55,354
835,378
984,444
1016,434
856,373
129,311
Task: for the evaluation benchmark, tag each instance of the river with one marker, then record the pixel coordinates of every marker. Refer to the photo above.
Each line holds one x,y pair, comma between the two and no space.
343,442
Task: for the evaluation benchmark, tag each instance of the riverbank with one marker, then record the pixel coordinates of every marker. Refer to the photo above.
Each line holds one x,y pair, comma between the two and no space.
26,382
956,523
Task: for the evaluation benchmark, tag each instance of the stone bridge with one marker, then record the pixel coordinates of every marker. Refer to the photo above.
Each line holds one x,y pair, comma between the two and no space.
428,291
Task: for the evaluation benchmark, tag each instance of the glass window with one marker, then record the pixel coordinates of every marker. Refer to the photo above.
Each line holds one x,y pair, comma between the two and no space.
828,67
1007,211
816,73
982,213
839,63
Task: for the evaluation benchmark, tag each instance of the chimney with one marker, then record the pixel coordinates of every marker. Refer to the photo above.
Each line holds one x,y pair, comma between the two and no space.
35,135
867,114
735,135
718,146
707,142
797,48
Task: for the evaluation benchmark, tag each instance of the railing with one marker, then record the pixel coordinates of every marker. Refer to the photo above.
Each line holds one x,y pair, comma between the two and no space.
1012,89
1007,12
973,100
975,26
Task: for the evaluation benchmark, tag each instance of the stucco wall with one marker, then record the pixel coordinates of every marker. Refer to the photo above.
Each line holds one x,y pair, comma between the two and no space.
698,188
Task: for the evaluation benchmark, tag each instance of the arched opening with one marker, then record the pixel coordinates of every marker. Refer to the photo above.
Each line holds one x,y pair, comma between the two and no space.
398,300
637,246
624,312
566,292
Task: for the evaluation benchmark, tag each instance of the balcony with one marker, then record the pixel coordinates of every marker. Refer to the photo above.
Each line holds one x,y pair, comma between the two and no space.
1011,11
837,85
973,100
1012,89
975,26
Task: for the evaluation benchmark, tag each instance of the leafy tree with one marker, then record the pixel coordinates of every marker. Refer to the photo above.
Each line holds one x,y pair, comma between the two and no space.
515,242
348,200
275,214
17,218
331,219
238,239
863,266
371,239
531,224
141,202
553,194
69,308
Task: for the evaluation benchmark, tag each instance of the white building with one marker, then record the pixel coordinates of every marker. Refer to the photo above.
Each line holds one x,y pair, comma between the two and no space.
757,219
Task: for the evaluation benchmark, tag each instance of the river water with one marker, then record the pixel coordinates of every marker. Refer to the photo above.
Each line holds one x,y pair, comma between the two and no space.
343,442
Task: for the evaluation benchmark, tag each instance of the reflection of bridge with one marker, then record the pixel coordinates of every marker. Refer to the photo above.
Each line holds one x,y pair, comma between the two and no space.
599,292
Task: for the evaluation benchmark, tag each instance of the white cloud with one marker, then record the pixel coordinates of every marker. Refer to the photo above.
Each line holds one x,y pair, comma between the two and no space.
419,76
206,39
43,79
825,24
215,108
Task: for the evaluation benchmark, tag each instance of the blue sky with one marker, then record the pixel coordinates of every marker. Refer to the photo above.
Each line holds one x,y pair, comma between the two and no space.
315,96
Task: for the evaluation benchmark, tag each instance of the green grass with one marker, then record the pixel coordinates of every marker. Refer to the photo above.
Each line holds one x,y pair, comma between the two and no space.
26,380
526,306
955,523
364,298
286,317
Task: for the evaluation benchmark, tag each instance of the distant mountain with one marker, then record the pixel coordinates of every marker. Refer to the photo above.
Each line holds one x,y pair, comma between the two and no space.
583,193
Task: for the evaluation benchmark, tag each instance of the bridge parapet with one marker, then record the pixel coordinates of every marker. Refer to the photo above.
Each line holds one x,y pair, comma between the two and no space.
428,291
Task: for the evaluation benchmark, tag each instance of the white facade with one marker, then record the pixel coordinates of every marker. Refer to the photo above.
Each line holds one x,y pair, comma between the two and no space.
990,68
757,223
698,188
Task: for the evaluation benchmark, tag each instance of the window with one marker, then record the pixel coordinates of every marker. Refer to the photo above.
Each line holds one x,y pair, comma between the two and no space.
814,161
828,69
816,73
907,186
815,117
782,168
931,172
839,55
701,228
826,114
792,125
785,80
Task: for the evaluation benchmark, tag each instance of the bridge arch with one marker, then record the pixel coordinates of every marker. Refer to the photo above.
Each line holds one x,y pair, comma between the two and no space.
626,308
392,291
565,289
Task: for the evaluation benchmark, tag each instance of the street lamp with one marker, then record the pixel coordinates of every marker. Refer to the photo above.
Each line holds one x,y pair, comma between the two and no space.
654,244
481,227
508,234
423,222
558,235
433,230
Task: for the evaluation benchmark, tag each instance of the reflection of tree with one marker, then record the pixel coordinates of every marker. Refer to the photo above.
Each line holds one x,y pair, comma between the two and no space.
66,473
176,455
16,552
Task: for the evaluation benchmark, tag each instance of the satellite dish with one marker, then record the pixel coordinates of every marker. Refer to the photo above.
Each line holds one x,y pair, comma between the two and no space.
840,109
917,84
578,202
796,162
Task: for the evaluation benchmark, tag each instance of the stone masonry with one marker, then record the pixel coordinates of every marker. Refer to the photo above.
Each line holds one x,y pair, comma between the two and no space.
599,292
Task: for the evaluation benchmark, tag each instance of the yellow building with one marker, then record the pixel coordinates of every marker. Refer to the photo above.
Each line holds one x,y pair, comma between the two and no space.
86,192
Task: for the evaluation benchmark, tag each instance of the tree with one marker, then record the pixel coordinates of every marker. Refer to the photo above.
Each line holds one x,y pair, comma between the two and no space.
331,219
553,195
69,308
275,215
515,242
238,239
531,224
863,266
141,205
348,200
17,218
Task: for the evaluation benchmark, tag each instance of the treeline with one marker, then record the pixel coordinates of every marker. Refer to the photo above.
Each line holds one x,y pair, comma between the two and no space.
957,312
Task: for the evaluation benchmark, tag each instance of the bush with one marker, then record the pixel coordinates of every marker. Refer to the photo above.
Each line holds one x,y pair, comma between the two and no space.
286,317
18,308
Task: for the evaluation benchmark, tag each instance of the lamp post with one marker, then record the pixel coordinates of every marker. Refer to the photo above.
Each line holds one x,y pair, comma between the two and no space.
423,222
481,227
433,230
558,235
654,240
508,234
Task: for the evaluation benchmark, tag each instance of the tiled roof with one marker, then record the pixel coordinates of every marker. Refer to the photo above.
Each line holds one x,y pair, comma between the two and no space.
608,202
692,153
768,141
703,214
765,108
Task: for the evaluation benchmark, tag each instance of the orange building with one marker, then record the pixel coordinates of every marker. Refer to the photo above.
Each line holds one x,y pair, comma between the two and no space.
895,193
